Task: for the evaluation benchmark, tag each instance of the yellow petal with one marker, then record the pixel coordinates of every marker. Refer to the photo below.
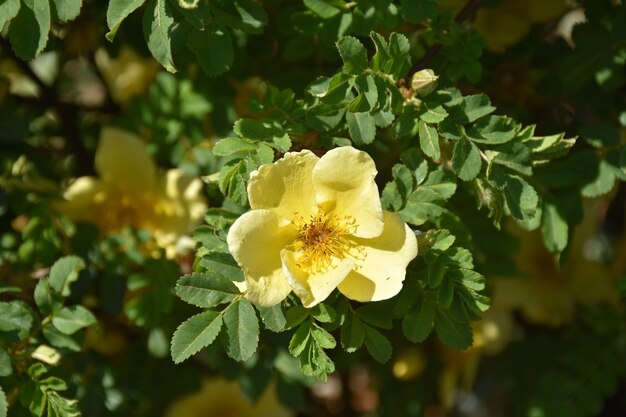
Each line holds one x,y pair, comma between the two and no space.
81,197
255,241
286,185
123,161
344,179
381,273
313,288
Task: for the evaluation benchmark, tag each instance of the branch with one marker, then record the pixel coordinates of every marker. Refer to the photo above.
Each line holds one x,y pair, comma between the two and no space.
465,13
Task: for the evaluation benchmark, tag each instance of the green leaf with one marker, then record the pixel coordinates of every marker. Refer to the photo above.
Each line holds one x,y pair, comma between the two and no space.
554,227
377,345
406,124
377,314
432,113
28,32
69,320
429,140
603,183
232,181
46,299
368,94
15,316
213,49
224,264
493,130
418,11
515,156
323,8
194,334
455,334
300,339
466,161
273,317
8,10
4,405
324,339
521,198
229,146
117,11
418,324
206,290
67,9
445,292
472,108
353,54
61,340
242,329
63,272
323,313
361,127
5,363
426,202
352,334
158,25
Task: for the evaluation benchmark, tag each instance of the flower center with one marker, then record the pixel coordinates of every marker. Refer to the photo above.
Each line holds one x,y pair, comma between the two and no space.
118,211
323,240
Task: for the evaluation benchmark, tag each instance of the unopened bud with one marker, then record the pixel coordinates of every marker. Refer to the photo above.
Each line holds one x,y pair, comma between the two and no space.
424,82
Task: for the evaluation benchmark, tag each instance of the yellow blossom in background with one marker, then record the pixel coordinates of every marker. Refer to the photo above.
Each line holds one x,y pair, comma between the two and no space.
221,398
130,192
507,23
317,224
548,294
127,75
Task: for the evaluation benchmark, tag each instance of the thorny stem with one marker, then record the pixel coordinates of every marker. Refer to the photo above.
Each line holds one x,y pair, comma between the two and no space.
465,13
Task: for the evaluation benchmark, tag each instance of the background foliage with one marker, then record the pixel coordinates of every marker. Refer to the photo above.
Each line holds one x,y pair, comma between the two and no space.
507,160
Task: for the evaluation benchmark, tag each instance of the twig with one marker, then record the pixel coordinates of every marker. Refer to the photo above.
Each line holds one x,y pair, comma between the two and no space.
465,13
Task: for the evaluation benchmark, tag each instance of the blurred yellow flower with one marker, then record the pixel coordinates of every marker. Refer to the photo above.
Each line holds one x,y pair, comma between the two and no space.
127,75
221,398
508,22
548,294
317,224
130,192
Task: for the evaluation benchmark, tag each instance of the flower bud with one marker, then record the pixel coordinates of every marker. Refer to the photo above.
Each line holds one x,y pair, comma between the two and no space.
424,82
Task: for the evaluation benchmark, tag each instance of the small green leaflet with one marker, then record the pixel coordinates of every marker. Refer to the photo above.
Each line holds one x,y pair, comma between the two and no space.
158,24
67,9
117,11
418,324
206,290
4,406
242,330
323,8
63,272
466,161
8,10
26,41
194,334
69,320
377,345
361,127
429,140
353,54
554,227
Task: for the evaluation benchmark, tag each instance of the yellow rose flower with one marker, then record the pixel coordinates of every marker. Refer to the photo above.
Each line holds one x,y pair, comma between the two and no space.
127,75
317,224
130,192
221,398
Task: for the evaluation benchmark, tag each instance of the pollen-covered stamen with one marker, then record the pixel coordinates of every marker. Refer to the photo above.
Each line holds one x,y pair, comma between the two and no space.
324,239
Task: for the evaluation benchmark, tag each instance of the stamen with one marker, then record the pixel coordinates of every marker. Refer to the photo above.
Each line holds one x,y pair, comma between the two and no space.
324,240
